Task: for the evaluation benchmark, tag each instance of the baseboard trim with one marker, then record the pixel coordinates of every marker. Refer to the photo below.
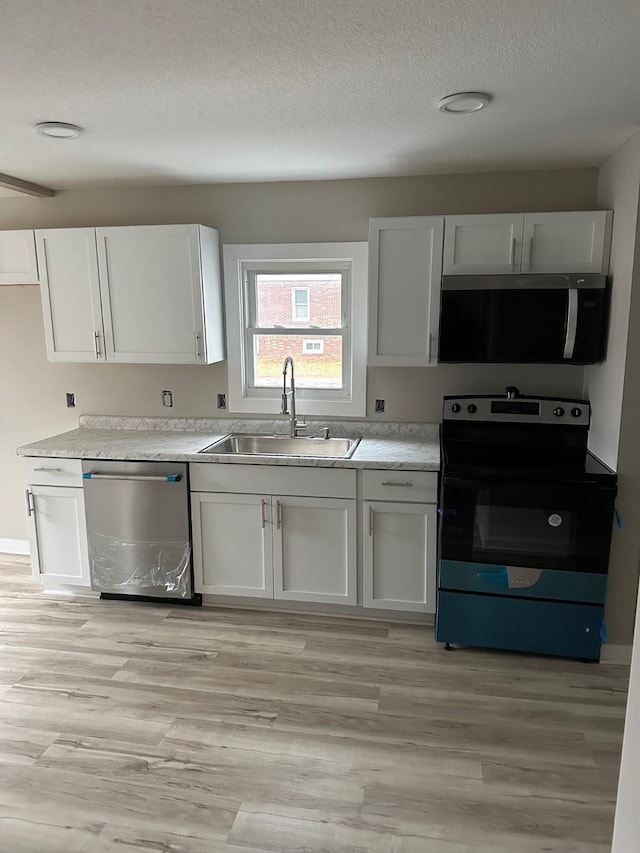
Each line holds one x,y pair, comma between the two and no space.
616,653
15,546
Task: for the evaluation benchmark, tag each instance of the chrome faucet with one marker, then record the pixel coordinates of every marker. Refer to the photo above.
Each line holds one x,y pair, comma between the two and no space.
294,426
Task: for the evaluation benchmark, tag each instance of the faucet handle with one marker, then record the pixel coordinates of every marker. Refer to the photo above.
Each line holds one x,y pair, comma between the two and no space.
300,426
325,432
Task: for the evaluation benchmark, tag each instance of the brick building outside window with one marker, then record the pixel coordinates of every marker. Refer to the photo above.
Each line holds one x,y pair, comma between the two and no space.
311,303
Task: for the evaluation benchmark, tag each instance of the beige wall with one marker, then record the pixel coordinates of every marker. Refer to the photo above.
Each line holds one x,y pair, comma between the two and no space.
32,389
614,386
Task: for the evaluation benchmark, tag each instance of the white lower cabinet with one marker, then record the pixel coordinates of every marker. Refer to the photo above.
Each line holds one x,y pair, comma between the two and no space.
399,556
314,550
302,549
296,542
58,534
232,544
399,528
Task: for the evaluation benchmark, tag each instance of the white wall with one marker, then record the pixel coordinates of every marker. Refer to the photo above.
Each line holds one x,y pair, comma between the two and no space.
32,402
626,833
618,191
614,386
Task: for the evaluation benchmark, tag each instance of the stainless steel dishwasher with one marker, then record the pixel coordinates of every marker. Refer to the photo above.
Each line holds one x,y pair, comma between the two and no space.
138,530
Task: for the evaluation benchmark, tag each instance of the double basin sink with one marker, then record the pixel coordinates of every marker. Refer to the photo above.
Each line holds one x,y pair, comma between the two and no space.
243,444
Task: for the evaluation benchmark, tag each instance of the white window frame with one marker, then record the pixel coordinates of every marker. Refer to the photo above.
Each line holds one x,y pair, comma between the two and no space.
294,305
312,350
349,401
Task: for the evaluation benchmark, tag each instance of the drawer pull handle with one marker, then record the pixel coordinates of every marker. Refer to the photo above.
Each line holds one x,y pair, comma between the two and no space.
29,497
263,517
50,470
407,484
278,515
370,521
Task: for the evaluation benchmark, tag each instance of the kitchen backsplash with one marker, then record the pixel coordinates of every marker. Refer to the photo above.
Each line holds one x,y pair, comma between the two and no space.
220,426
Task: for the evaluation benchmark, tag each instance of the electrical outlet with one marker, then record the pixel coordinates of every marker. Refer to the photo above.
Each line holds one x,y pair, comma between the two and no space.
222,401
379,406
71,400
167,399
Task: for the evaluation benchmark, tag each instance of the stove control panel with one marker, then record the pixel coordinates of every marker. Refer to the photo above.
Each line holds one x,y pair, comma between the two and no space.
528,410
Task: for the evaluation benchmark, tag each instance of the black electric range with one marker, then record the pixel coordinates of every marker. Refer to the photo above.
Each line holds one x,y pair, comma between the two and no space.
525,526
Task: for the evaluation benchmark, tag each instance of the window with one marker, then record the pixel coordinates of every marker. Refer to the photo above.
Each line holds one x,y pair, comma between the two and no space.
298,300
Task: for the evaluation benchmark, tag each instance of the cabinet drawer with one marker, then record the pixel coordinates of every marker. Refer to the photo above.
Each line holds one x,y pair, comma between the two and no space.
520,625
48,471
414,486
273,480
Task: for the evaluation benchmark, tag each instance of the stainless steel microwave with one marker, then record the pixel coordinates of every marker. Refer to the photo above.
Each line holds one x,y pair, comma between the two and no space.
535,319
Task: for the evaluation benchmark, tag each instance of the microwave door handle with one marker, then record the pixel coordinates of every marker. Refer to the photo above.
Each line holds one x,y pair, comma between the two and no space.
572,322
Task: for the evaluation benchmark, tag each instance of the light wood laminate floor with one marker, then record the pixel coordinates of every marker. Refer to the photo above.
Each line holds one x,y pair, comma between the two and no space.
140,728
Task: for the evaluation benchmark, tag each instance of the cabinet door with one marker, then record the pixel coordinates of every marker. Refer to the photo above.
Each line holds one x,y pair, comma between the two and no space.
151,294
18,264
70,293
58,535
232,544
482,244
405,267
314,549
575,242
399,556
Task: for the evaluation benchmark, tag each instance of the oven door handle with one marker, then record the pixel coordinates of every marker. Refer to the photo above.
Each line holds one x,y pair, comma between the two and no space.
522,485
572,322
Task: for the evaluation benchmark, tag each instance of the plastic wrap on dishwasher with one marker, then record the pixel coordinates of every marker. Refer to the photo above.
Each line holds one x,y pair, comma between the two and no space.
139,568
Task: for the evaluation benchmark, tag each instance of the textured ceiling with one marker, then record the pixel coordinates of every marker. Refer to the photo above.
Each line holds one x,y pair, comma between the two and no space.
198,91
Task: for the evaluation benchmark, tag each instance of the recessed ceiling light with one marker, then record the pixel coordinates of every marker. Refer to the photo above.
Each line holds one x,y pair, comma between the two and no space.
59,129
464,102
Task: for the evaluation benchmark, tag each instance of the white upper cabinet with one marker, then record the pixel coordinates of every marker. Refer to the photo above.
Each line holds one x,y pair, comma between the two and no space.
574,242
18,263
146,294
482,244
566,242
154,294
70,293
405,268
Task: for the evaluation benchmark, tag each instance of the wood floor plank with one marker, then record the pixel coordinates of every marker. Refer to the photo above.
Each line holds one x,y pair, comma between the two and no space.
368,759
472,811
290,830
90,798
148,839
24,830
219,771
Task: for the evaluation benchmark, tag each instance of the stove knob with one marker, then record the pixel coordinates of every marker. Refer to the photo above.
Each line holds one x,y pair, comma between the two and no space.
558,412
472,408
456,408
576,412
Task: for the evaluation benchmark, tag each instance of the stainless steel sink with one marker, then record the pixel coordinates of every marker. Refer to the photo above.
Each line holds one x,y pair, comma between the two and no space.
283,445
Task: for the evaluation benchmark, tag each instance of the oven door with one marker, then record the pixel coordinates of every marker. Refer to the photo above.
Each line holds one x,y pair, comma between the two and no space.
561,525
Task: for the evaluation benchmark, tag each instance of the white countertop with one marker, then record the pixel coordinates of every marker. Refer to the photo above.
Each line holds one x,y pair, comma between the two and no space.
384,445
